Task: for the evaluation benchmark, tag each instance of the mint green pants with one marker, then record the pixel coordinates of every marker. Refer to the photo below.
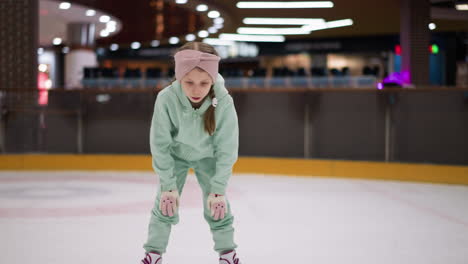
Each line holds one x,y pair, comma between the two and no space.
159,227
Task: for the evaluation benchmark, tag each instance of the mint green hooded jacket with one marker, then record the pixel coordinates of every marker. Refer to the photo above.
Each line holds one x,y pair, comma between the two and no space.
178,129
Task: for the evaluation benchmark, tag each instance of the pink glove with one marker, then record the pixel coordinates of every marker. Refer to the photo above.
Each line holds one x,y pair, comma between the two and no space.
218,206
169,202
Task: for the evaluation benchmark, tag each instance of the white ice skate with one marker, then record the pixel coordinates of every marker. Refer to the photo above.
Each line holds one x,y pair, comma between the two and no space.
229,258
152,258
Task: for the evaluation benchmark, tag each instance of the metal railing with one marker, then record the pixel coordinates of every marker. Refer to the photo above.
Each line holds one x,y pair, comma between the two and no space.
243,82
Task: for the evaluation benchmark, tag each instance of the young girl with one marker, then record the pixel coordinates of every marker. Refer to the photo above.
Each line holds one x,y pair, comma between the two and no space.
194,125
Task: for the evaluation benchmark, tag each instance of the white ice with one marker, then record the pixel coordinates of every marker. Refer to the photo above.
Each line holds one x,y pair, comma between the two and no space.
87,217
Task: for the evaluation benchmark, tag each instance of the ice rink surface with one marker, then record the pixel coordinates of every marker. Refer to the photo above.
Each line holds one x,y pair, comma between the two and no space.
87,217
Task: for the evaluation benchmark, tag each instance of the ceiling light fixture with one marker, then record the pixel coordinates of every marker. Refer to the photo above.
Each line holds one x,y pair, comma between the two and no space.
304,4
111,26
155,43
104,19
203,33
173,40
213,14
104,33
57,41
202,8
90,12
272,31
135,45
462,7
330,24
218,20
190,37
282,21
212,30
218,42
256,38
64,5
114,47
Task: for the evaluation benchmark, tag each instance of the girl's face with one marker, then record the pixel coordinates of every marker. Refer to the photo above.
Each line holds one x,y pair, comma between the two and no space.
196,84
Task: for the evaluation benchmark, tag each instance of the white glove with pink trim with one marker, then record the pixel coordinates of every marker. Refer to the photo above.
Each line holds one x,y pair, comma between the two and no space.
169,202
218,206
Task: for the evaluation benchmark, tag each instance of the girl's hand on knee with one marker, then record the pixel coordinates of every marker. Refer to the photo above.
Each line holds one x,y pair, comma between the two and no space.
218,206
169,202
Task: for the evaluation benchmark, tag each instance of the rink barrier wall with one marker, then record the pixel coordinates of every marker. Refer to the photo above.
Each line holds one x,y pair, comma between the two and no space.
432,173
425,125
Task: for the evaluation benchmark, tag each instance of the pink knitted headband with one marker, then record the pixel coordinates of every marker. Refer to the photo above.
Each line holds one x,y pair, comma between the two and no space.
187,60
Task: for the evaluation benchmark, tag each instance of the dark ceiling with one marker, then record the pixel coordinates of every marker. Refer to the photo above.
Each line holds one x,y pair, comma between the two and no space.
370,17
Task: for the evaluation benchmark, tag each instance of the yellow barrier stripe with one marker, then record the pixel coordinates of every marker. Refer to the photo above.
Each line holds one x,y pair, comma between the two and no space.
75,162
275,166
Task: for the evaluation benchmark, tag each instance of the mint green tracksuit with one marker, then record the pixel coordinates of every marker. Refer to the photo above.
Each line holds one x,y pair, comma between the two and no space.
178,142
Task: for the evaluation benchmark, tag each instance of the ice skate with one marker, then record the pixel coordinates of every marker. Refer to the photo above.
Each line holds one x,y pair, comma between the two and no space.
152,258
229,258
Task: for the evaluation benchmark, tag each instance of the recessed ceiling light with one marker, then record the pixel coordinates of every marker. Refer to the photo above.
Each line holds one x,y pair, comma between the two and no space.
213,14
64,5
218,20
90,12
135,45
203,33
432,26
155,43
104,19
104,33
57,41
212,30
190,37
111,26
173,40
202,8
181,1
114,47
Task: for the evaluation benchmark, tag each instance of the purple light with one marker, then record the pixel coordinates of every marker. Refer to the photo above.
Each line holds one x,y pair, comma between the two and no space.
400,78
380,86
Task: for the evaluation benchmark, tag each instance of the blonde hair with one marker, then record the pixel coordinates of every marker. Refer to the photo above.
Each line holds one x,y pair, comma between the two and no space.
209,116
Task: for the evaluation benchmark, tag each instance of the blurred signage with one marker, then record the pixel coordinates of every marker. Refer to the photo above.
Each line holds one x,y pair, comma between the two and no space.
333,45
